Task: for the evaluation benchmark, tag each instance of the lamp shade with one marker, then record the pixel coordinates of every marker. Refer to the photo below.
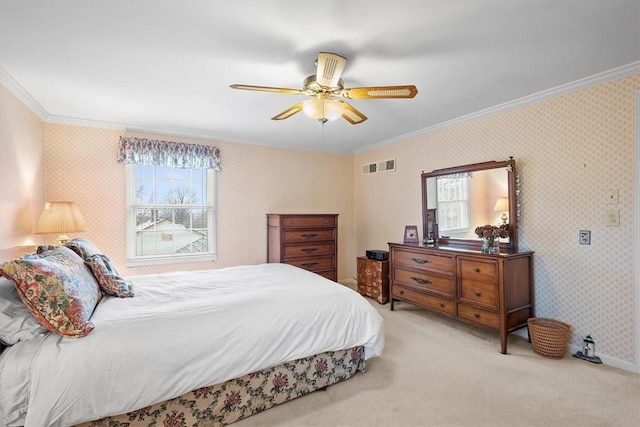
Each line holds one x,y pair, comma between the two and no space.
323,109
60,217
502,204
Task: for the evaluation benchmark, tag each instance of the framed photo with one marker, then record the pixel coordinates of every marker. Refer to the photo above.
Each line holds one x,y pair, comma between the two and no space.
411,234
431,220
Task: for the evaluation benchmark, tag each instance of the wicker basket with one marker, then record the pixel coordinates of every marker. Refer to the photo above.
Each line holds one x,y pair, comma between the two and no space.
549,337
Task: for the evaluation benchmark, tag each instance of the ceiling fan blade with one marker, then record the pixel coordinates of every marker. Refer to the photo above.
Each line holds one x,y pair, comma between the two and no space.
352,115
288,112
330,68
380,92
268,89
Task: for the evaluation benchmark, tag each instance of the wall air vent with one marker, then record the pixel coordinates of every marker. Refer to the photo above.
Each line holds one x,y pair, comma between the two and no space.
381,166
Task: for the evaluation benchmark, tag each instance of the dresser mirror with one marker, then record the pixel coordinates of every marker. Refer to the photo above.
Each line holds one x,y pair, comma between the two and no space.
457,200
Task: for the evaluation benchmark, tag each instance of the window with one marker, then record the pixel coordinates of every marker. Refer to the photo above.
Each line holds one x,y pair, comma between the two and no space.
453,204
170,214
170,200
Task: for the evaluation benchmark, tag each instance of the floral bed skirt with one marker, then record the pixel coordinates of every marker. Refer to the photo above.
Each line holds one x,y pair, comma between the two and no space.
242,397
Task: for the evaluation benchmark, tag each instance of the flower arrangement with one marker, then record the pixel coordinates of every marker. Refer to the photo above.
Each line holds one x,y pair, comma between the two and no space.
492,232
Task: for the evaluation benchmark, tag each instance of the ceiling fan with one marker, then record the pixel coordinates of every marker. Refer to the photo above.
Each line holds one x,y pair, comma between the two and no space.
329,94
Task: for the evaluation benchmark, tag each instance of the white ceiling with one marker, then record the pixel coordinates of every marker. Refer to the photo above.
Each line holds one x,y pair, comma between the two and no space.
166,66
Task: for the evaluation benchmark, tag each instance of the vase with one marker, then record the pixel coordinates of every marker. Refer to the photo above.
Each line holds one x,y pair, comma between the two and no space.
490,245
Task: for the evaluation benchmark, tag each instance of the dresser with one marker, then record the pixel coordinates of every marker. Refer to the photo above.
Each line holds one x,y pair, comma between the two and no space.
493,291
373,279
309,241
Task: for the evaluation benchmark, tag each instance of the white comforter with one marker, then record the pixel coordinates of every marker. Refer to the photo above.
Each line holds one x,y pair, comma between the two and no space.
182,331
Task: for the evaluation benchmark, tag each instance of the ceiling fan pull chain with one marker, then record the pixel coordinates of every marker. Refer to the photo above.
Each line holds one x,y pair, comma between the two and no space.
323,120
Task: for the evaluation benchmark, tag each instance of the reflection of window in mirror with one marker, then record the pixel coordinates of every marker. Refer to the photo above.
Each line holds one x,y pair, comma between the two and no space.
453,203
446,211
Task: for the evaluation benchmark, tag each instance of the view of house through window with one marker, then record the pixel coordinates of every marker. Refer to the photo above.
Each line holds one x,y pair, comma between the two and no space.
453,204
173,211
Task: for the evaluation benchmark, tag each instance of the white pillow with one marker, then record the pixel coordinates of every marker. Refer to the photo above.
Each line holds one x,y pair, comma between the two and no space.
16,322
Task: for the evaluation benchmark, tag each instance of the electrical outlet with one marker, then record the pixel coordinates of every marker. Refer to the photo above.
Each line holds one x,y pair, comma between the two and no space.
585,237
613,218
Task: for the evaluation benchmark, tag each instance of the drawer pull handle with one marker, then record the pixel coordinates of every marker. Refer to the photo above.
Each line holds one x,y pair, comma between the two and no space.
309,250
420,280
310,235
401,292
476,270
477,293
309,264
476,315
421,260
441,305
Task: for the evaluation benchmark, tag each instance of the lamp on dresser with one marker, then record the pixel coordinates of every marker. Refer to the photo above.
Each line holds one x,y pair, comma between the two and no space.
60,218
502,205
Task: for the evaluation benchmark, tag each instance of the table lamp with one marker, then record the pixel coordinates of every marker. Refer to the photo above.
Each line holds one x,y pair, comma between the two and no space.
502,205
61,218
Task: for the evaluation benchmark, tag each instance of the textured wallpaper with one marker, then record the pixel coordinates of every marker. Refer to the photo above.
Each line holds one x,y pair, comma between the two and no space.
569,151
255,180
21,171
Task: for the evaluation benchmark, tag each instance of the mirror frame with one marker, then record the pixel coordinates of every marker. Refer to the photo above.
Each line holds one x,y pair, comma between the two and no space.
510,165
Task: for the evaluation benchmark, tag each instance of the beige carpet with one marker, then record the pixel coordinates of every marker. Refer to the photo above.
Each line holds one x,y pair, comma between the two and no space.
439,372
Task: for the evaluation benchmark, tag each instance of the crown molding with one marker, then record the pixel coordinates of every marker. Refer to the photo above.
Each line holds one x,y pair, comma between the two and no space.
187,133
74,121
597,79
587,82
25,97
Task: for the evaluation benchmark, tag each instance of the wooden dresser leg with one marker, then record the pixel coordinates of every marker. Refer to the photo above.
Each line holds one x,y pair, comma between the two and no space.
503,341
391,303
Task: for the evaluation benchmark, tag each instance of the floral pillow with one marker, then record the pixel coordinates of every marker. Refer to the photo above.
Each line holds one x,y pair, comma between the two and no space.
57,288
107,276
16,322
83,247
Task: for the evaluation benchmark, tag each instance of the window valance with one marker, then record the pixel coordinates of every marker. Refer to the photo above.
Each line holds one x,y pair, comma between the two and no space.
165,153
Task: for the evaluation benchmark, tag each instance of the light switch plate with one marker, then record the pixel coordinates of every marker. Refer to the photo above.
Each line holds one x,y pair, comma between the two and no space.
613,218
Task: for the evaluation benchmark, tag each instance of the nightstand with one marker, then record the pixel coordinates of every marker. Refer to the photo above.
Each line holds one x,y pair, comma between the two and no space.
373,279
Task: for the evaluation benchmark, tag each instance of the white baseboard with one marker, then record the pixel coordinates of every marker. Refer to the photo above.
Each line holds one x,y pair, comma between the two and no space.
348,282
607,360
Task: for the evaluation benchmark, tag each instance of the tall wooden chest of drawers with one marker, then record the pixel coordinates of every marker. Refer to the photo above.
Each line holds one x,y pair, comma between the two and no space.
494,291
373,279
309,241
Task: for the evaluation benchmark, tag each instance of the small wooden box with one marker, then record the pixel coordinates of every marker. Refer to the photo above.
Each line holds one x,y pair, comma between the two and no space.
373,279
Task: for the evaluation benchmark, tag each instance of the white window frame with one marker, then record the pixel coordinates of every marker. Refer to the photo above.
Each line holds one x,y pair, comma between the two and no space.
134,260
461,203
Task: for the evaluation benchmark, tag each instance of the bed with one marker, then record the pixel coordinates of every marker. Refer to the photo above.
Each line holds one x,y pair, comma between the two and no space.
204,347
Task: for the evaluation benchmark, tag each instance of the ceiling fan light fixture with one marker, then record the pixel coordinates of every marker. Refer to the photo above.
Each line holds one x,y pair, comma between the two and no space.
329,94
323,109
